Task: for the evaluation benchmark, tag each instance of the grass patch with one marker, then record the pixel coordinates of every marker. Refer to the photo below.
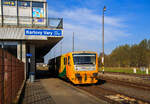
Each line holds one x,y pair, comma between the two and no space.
123,70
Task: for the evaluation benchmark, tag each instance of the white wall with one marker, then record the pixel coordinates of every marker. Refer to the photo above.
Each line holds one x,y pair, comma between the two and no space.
26,13
10,11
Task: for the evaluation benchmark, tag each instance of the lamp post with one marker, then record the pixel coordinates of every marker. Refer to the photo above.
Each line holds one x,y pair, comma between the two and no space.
104,9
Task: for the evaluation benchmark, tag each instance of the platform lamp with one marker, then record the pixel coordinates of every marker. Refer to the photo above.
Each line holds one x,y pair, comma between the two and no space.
104,9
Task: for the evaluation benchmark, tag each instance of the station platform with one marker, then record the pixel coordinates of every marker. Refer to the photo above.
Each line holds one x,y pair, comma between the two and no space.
56,91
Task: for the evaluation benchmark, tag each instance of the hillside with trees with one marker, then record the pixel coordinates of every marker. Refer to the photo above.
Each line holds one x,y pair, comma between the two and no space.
137,55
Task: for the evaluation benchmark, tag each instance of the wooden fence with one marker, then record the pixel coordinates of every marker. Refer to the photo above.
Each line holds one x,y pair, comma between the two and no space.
11,77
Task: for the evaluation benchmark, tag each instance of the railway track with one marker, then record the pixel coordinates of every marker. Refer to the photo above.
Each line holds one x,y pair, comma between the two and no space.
128,84
120,96
111,96
98,93
142,76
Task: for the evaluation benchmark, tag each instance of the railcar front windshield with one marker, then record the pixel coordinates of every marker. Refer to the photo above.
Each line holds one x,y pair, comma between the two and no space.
84,58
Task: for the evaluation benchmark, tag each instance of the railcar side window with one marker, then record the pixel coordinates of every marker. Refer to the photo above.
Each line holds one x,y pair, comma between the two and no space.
65,61
68,60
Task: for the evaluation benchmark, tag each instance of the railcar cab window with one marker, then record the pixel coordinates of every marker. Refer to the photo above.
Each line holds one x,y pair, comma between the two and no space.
9,2
23,3
37,4
80,59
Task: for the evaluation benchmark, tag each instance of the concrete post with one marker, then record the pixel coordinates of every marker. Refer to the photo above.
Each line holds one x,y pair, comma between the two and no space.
24,57
134,70
147,71
18,50
32,63
21,54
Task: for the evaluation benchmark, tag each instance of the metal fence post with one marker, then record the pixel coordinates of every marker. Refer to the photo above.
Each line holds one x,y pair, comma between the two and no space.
62,23
2,13
17,14
32,12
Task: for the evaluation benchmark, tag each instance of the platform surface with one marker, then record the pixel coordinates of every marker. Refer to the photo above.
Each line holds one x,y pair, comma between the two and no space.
46,90
56,91
63,93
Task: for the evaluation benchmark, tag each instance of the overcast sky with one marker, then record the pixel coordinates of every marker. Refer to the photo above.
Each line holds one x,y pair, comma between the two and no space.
126,22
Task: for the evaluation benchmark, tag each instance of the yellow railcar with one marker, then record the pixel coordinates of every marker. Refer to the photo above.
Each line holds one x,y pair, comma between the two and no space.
78,67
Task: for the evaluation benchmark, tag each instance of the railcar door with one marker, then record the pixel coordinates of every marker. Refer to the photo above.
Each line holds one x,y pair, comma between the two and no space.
62,69
69,67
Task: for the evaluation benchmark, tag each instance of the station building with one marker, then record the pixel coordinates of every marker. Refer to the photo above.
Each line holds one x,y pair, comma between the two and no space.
27,32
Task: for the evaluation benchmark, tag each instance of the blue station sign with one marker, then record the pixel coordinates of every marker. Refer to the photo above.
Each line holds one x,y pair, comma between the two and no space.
43,32
28,54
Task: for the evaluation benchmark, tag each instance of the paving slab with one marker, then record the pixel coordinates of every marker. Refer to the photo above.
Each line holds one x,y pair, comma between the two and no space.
35,93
